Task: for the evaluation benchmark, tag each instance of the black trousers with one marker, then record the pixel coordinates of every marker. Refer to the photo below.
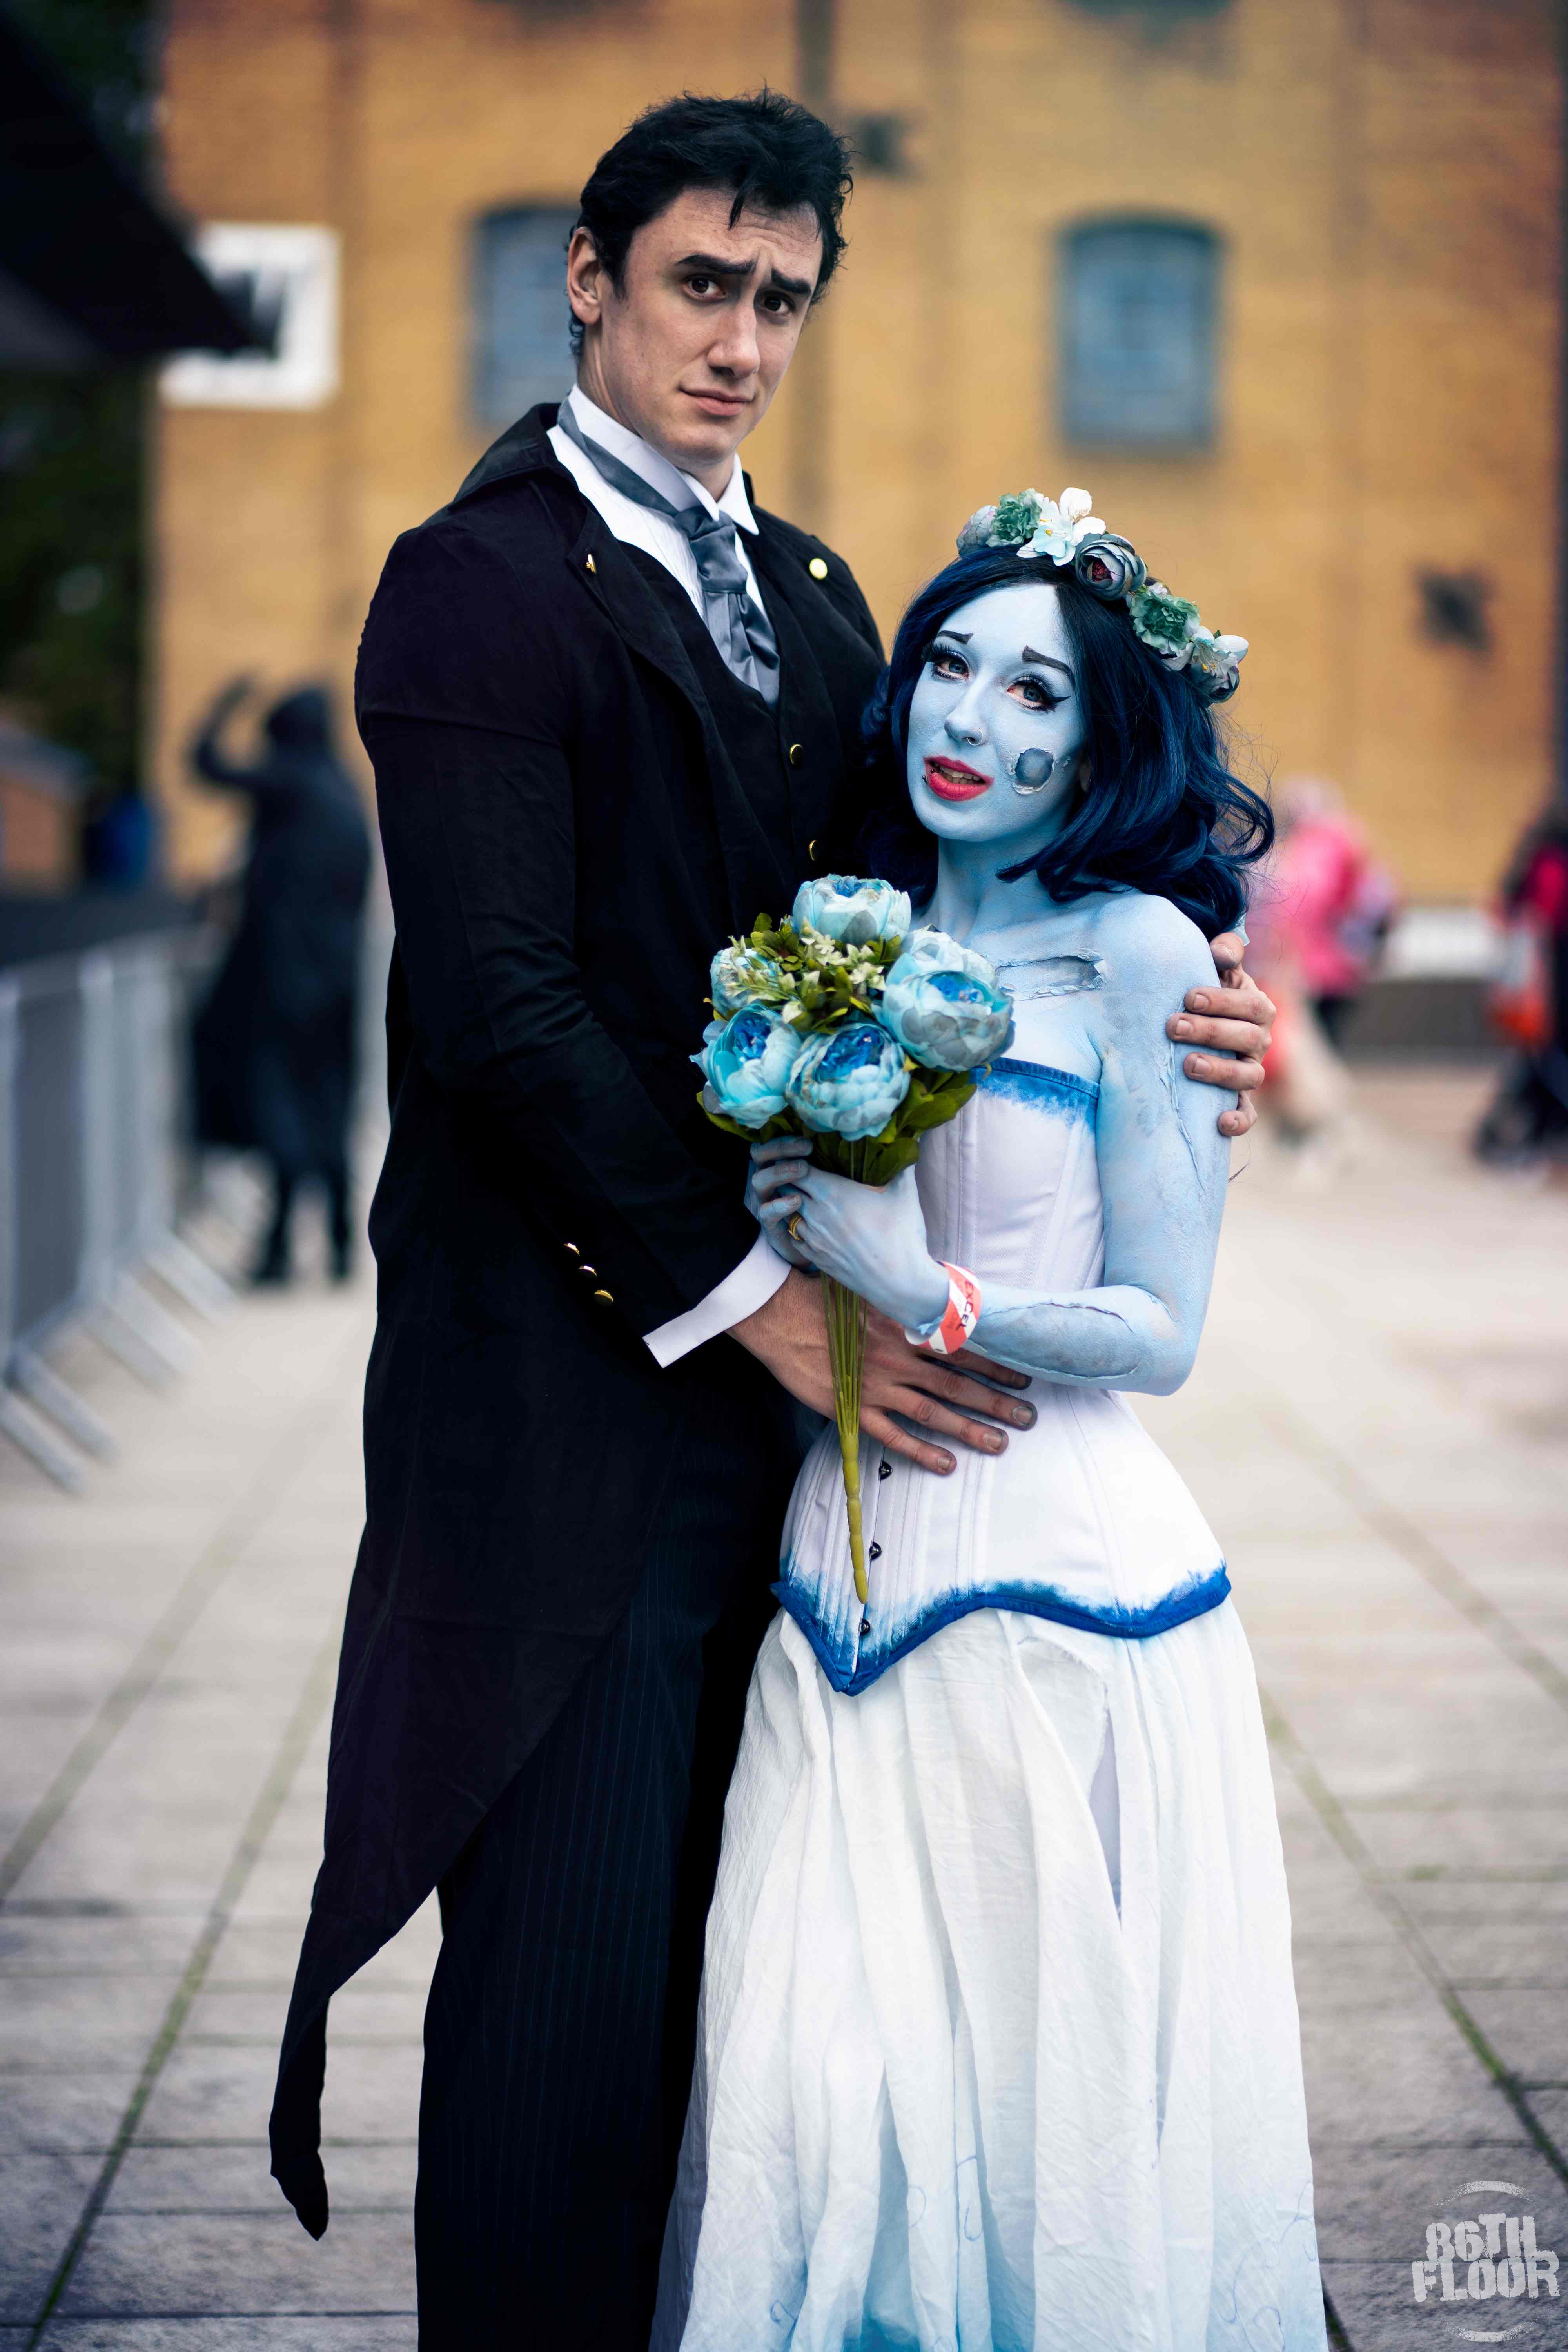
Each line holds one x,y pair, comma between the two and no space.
561,2022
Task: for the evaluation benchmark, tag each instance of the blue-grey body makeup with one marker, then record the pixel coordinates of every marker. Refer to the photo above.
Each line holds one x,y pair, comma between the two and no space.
1083,1187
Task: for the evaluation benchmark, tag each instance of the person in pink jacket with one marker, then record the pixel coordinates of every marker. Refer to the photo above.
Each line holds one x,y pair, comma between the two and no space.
1334,901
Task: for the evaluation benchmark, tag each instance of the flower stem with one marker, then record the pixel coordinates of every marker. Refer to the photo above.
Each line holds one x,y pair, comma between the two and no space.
847,1353
846,1350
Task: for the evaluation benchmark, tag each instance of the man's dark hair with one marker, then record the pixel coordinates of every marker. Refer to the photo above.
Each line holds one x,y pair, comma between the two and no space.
765,151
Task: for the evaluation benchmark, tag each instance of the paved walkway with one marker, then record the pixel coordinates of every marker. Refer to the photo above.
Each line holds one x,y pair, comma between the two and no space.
1378,1427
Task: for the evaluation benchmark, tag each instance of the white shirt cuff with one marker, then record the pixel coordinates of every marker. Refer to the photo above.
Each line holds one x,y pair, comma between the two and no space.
753,1284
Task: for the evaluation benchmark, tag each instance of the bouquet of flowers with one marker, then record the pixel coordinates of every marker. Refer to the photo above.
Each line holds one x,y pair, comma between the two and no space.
842,1023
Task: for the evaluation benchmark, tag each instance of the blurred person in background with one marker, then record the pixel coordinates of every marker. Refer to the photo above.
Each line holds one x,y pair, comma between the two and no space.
1529,1003
1336,900
275,1041
1317,921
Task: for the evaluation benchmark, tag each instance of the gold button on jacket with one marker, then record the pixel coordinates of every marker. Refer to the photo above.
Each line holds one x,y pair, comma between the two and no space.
817,569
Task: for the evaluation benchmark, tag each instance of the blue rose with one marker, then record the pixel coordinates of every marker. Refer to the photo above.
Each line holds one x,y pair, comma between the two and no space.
848,1081
851,910
945,1005
746,1061
741,974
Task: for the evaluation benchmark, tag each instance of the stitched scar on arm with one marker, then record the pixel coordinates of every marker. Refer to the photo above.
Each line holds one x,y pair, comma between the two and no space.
1102,1343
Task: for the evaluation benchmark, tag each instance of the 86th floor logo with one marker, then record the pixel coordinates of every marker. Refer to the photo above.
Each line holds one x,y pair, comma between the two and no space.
1484,2266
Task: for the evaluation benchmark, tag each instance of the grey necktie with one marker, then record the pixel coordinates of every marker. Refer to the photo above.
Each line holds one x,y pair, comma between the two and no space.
736,621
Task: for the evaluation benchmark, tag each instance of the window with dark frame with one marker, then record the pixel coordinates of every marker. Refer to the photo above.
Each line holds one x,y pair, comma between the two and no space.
521,354
1138,305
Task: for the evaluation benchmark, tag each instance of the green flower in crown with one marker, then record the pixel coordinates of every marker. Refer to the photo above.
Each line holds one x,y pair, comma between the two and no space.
1014,519
1166,624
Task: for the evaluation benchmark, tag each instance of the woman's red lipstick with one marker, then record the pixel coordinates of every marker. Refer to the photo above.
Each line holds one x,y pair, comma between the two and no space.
950,779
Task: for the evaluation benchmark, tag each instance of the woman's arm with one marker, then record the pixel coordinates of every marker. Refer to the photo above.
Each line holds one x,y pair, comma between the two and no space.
1162,1168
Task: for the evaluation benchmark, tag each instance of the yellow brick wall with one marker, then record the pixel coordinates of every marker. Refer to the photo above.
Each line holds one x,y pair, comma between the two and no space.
1383,173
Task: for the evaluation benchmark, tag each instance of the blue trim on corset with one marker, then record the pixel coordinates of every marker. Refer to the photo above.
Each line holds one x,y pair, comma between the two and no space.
1040,1087
1193,1598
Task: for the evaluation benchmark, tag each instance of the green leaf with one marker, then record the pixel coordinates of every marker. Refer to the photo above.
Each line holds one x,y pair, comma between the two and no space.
920,1113
885,1161
781,1123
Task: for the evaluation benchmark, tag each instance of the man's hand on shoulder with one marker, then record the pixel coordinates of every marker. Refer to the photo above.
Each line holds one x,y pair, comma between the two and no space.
1235,1018
789,1335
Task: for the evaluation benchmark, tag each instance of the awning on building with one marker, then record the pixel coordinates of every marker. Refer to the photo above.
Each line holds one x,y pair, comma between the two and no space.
90,271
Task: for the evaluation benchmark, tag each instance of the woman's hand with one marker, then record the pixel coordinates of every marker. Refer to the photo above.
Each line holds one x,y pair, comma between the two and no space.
871,1238
772,1170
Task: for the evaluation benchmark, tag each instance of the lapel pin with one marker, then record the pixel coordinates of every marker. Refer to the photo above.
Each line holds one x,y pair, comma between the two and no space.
591,564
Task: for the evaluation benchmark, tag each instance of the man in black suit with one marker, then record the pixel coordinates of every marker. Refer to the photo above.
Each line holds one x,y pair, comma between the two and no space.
613,711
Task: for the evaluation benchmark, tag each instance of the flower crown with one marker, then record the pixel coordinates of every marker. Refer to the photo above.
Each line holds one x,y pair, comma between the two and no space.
1112,569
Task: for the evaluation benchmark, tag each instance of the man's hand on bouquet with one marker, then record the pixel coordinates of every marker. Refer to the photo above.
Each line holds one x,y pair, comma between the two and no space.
1235,1019
940,1394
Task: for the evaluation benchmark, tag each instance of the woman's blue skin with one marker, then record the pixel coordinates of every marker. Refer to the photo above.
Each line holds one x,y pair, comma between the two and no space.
1001,680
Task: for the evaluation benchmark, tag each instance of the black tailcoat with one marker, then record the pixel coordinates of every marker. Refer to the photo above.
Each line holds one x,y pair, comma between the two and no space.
568,840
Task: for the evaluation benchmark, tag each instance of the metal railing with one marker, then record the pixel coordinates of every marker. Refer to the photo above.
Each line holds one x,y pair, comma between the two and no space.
92,1057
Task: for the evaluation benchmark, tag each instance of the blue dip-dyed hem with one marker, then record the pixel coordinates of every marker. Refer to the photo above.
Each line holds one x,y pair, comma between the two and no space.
1193,1598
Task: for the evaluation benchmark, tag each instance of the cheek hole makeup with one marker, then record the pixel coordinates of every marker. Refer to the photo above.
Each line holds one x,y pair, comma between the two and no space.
1032,771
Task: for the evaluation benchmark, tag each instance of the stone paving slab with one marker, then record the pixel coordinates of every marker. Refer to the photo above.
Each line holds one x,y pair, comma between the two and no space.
377,2332
176,2263
231,2177
1378,1429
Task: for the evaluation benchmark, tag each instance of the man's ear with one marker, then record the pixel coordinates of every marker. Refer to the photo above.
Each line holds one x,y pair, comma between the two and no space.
584,279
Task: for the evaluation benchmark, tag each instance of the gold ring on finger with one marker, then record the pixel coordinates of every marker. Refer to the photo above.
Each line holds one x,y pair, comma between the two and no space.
793,1228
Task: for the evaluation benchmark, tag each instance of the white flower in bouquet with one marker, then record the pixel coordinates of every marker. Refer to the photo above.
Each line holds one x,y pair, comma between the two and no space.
741,974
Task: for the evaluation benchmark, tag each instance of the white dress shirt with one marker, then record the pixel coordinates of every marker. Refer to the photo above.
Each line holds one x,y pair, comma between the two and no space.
762,1272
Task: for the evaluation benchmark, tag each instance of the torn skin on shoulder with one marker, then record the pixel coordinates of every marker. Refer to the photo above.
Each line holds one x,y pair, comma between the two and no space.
1057,975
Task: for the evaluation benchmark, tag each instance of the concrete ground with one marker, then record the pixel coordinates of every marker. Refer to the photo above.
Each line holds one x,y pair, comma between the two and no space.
1378,1427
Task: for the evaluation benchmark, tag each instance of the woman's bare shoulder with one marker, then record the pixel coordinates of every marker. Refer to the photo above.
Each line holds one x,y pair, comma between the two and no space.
1146,944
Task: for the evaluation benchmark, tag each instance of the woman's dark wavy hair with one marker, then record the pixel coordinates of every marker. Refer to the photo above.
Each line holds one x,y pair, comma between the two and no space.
1163,812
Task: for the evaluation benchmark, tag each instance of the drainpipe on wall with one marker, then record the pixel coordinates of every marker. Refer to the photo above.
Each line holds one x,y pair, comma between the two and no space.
1560,634
809,374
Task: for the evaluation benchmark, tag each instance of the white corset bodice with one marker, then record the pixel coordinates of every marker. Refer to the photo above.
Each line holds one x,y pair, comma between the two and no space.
1082,1518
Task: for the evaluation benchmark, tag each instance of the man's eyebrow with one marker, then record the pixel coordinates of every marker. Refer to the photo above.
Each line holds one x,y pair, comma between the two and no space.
1048,662
716,267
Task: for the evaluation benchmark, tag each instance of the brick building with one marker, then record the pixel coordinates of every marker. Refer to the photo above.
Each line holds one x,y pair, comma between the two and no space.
1277,279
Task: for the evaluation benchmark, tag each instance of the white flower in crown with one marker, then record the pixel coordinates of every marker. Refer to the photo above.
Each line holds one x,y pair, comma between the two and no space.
1063,522
1215,665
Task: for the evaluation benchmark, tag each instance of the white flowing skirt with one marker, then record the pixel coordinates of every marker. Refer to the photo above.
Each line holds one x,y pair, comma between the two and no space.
948,2094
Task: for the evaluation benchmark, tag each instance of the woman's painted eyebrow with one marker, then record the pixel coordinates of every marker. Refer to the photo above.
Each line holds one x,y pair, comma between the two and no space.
959,636
1047,663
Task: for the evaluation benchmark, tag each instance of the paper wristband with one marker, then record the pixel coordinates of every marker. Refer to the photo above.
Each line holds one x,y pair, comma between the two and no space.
957,1326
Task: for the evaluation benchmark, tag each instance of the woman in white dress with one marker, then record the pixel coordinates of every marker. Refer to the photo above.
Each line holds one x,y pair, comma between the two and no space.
999,2046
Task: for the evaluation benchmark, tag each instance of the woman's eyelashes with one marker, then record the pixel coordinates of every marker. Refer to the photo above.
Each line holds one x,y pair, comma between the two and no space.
1034,693
948,664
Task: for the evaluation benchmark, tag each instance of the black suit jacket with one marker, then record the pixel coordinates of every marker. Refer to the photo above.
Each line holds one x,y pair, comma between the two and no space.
567,843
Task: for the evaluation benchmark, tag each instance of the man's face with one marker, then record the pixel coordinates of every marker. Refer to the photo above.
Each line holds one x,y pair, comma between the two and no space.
691,350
